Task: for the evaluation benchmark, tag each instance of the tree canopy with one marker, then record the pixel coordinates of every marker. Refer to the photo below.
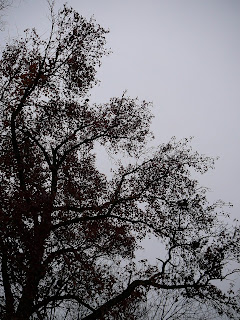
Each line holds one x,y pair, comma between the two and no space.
69,233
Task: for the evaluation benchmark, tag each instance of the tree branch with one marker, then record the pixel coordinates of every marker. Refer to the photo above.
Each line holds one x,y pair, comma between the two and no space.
103,309
48,300
102,217
54,254
39,145
69,137
85,141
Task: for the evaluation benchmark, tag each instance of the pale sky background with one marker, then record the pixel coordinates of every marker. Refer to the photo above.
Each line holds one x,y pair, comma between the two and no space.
183,55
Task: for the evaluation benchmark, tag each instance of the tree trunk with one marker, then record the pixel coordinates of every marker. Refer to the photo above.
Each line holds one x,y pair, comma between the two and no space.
35,274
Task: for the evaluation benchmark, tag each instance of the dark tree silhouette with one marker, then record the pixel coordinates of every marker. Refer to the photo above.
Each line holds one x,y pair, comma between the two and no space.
68,233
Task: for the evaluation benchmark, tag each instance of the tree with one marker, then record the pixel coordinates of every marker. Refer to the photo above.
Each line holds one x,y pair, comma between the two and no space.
68,233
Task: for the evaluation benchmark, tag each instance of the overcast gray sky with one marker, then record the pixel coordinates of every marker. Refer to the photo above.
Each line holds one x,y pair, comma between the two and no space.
181,54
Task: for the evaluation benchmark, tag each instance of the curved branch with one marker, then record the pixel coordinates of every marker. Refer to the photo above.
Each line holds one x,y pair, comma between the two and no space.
103,309
102,217
57,253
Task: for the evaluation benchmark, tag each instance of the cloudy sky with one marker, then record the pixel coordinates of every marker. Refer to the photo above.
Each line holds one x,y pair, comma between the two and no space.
183,55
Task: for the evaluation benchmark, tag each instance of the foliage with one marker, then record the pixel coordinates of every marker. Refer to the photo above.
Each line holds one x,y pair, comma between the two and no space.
68,233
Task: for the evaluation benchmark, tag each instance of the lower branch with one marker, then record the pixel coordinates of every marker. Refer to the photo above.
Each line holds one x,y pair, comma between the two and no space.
98,313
